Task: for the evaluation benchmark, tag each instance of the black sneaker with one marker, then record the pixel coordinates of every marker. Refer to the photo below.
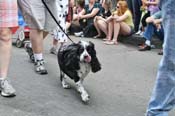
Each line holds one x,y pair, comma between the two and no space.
40,68
30,52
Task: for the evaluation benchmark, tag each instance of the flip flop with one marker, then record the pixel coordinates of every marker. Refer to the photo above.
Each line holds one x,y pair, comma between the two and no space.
111,43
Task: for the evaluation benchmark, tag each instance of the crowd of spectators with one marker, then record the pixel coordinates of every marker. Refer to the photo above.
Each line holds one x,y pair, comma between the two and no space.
108,19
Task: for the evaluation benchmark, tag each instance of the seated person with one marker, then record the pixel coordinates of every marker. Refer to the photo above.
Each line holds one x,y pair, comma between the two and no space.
119,23
86,17
100,21
154,27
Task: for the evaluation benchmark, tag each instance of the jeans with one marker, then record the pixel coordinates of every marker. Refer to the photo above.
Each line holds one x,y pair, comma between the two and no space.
163,96
151,30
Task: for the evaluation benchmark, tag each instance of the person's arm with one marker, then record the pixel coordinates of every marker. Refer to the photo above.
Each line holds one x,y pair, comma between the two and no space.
157,21
156,2
121,18
92,14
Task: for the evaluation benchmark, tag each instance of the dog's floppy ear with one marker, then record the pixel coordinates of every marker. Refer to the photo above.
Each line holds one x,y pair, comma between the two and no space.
95,64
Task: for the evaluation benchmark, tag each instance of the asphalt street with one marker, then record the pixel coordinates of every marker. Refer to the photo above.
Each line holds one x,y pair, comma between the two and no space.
122,88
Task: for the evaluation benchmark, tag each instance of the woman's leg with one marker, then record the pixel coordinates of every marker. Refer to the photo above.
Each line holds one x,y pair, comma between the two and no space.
119,28
103,26
125,29
5,51
110,30
97,27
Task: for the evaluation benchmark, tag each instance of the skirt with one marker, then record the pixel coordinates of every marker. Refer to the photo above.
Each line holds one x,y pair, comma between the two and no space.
8,13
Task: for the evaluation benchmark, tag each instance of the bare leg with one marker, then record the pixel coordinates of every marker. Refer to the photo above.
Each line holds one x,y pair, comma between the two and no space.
103,26
116,31
36,37
125,29
5,51
110,29
97,27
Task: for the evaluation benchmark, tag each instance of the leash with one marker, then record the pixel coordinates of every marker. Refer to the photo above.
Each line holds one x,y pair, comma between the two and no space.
43,1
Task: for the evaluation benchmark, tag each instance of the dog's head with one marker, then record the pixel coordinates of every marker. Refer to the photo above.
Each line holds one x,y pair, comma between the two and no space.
87,54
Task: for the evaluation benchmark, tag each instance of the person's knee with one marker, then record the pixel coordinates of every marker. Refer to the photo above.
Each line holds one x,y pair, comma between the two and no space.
5,35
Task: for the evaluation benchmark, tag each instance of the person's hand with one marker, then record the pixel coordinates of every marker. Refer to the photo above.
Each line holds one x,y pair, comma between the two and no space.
115,17
80,16
109,19
158,26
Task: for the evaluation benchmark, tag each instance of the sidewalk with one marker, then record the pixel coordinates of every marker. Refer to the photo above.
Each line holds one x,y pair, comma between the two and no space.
137,39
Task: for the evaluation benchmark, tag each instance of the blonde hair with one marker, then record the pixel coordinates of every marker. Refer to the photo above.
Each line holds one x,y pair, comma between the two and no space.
123,7
108,3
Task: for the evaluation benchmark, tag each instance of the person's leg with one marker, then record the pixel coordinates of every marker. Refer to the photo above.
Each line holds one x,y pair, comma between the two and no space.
103,26
136,13
36,38
119,28
149,32
163,97
97,28
5,51
147,35
110,30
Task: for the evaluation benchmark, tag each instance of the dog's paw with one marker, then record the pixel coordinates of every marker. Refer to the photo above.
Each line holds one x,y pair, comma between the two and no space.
65,85
85,97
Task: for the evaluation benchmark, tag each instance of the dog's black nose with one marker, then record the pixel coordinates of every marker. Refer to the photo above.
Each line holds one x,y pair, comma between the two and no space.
86,56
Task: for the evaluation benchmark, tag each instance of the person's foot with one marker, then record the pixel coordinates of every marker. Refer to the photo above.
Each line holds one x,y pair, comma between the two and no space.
138,32
144,48
6,88
40,68
30,52
79,34
160,52
53,50
98,36
111,42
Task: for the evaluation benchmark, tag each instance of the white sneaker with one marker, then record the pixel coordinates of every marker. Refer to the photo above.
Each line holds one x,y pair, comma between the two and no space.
6,88
40,68
53,50
138,32
79,34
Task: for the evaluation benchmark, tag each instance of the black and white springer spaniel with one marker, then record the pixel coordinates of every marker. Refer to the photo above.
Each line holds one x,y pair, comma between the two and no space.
76,60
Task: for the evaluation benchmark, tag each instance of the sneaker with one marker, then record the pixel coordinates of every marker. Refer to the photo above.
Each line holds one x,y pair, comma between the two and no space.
40,68
6,88
30,52
53,50
79,34
144,48
138,32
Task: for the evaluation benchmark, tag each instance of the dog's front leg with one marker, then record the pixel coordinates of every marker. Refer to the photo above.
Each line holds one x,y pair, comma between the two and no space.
65,85
84,95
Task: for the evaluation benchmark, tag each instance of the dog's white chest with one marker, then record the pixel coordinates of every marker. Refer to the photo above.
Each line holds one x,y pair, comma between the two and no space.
84,70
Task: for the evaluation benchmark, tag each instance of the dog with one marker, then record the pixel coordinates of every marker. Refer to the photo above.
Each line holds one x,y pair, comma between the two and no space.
76,60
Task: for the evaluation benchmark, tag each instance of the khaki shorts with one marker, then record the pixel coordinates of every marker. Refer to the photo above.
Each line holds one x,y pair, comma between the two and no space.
37,16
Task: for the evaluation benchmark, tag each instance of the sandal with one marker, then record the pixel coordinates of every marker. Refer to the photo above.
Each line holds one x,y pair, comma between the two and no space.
97,36
111,43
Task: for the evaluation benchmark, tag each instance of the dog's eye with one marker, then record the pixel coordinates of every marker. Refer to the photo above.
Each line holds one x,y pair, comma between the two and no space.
88,49
81,49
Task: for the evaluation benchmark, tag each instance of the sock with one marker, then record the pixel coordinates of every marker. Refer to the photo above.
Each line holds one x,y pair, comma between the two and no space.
38,56
147,42
30,45
2,76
